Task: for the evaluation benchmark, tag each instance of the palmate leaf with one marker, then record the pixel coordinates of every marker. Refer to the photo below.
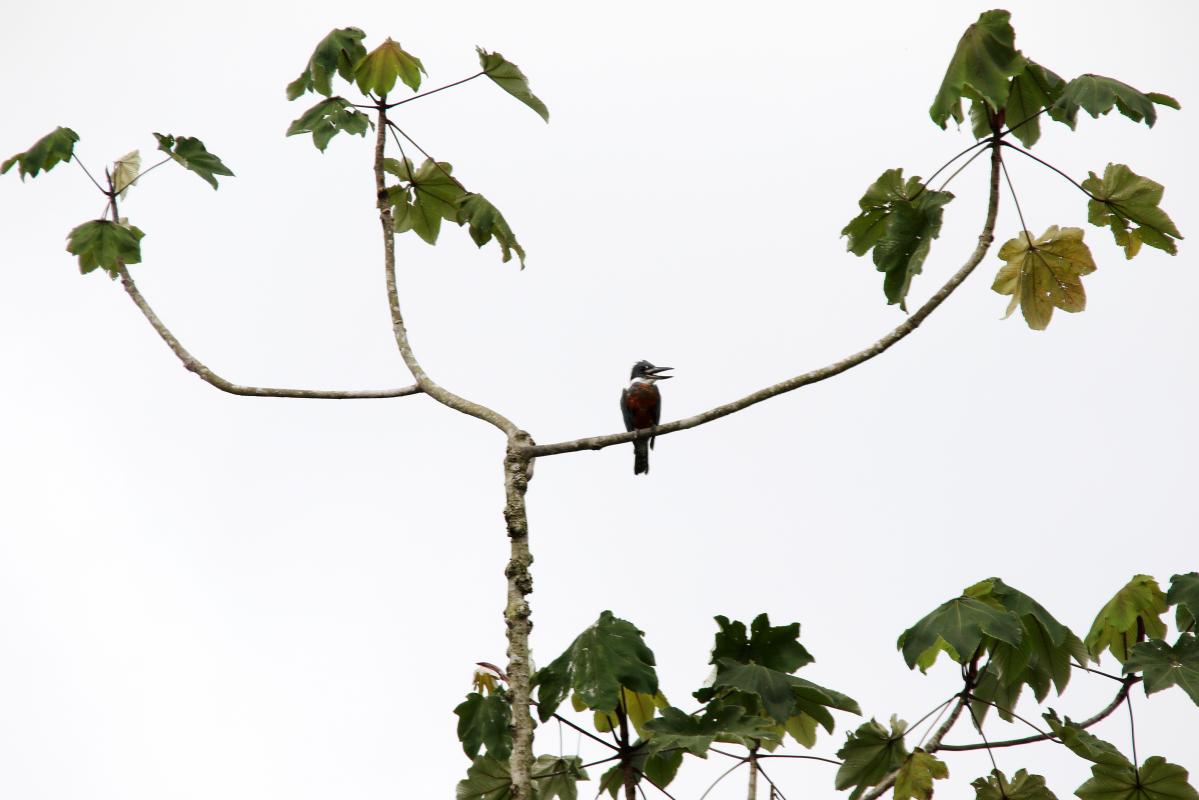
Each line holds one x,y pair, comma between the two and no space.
898,220
1097,95
776,647
869,755
609,655
1022,786
964,624
106,245
638,707
435,196
192,154
659,767
1157,779
985,60
1184,593
1034,89
337,53
553,777
1083,744
378,71
486,222
328,118
916,776
124,172
483,722
1123,197
509,78
54,148
1136,608
1165,666
770,685
1045,274
695,734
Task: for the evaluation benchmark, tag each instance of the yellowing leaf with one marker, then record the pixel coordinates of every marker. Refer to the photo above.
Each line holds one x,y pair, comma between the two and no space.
916,776
124,172
378,71
1044,274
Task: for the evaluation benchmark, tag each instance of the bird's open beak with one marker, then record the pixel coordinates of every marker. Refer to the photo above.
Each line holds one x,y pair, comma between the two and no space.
657,373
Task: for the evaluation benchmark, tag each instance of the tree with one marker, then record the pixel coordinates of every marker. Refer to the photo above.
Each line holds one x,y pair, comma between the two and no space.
514,482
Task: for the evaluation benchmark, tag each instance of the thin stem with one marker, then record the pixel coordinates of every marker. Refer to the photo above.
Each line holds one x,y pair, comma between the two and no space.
651,782
148,170
959,170
918,722
390,106
806,758
947,164
425,153
1016,200
978,726
1013,714
563,720
985,238
1132,732
1023,122
89,175
723,775
1108,675
1045,163
774,789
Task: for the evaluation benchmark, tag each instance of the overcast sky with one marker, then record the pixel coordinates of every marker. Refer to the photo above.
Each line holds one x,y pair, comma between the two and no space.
208,596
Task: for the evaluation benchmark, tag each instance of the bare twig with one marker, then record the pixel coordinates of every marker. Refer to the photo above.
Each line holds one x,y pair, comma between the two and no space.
898,333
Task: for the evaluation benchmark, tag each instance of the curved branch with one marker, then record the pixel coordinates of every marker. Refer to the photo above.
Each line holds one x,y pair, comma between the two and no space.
899,332
426,384
1116,702
193,364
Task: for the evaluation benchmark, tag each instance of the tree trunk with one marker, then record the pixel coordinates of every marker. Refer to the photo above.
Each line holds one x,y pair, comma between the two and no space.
517,469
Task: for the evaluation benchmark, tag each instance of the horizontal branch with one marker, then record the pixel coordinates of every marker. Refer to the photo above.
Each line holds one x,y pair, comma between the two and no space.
899,332
193,364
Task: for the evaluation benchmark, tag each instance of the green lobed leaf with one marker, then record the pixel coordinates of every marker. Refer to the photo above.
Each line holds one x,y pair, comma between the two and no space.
916,776
509,78
557,777
609,655
54,148
898,221
1123,197
776,647
1085,745
965,624
1184,593
1097,95
487,222
661,768
192,154
984,61
486,779
337,53
1034,89
483,721
106,245
1044,274
328,118
378,71
869,755
1157,779
435,196
1136,608
1165,666
1022,786
770,685
695,733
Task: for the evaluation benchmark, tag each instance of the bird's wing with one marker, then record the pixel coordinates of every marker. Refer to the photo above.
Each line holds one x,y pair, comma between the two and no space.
657,413
624,409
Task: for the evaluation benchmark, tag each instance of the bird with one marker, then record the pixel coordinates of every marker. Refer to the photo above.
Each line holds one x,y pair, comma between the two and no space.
641,404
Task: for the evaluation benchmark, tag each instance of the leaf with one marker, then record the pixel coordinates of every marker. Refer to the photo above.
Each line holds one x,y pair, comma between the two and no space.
776,647
1157,779
338,52
1136,607
483,722
661,768
1034,89
435,197
1123,197
55,147
916,776
638,707
1085,745
1022,786
898,221
328,118
1184,593
192,154
802,729
377,72
486,779
557,777
985,59
486,222
1097,95
965,624
869,755
1165,666
695,734
607,656
1044,274
105,244
772,686
124,172
509,78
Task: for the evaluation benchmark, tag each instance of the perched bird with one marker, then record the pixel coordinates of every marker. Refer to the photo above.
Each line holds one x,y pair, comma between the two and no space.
641,404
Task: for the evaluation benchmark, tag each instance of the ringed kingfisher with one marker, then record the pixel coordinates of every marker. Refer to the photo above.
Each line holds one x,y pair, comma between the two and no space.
641,404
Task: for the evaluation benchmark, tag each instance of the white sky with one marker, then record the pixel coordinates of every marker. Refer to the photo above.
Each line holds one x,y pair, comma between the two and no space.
208,596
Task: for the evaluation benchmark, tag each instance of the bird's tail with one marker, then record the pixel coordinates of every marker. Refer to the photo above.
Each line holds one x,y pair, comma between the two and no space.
640,456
